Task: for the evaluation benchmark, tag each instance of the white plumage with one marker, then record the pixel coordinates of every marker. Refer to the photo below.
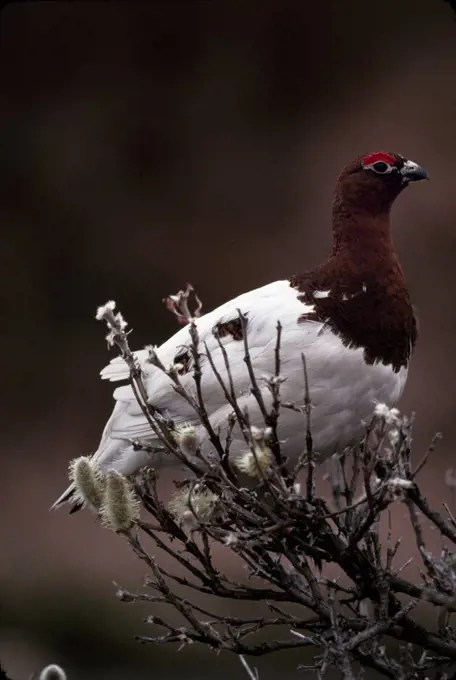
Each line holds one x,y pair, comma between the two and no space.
343,387
351,317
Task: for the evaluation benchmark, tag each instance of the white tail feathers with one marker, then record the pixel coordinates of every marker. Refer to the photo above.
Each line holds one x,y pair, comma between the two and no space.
66,497
117,369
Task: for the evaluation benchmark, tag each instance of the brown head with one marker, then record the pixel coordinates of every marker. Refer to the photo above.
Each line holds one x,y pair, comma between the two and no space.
373,182
365,300
365,191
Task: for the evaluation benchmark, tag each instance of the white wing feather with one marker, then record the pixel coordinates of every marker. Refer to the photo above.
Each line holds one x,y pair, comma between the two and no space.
343,388
339,377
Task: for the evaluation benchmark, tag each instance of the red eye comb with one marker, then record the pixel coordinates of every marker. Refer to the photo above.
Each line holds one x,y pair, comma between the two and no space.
379,156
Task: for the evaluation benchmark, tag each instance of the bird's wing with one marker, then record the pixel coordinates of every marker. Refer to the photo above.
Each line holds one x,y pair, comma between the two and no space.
263,308
117,369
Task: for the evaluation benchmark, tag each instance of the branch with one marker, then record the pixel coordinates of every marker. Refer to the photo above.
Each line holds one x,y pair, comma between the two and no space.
283,537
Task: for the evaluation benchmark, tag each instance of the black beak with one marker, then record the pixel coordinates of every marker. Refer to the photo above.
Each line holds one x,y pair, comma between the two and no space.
412,172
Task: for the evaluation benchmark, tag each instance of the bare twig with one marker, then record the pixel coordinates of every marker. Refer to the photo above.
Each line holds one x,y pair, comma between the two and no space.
284,538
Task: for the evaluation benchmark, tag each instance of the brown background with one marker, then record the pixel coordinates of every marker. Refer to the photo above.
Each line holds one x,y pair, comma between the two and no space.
144,145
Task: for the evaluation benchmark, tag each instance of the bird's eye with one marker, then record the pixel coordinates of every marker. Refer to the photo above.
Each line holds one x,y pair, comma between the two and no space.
381,167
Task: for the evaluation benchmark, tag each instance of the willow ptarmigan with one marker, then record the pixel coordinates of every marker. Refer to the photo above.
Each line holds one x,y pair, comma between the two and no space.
351,317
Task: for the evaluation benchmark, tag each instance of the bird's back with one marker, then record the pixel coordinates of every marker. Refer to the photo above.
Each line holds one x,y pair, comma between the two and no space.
343,387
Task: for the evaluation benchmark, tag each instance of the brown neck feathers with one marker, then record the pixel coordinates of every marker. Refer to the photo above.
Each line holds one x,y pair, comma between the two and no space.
360,291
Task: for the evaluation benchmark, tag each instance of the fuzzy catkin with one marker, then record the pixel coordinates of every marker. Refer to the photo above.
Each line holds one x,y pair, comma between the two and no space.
120,507
52,672
87,481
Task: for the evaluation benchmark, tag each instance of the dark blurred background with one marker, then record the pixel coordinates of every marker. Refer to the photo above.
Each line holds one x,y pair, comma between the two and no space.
147,144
